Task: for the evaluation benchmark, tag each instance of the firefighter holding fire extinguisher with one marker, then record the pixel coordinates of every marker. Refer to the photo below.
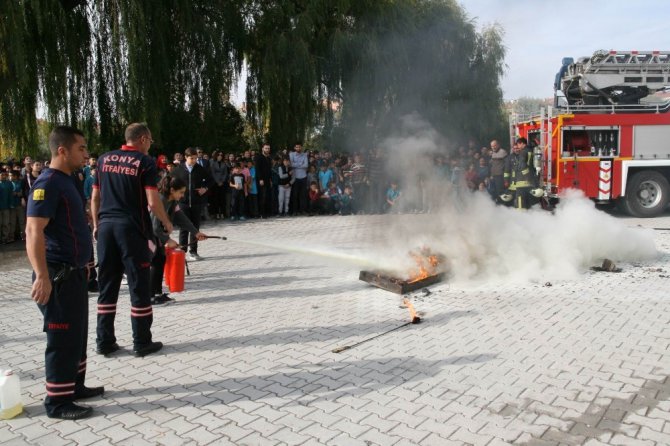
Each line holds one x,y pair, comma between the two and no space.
171,190
519,176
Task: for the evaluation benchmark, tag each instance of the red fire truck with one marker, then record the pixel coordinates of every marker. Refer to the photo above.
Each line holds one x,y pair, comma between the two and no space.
607,134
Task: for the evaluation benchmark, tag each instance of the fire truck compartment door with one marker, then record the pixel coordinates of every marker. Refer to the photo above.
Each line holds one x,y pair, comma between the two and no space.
651,142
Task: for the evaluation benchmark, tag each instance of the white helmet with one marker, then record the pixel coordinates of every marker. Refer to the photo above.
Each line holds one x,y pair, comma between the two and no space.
537,192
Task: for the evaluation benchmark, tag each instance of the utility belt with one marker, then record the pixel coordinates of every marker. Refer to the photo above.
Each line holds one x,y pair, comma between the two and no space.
63,271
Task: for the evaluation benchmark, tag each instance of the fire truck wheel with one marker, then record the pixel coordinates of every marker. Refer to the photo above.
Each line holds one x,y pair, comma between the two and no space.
647,194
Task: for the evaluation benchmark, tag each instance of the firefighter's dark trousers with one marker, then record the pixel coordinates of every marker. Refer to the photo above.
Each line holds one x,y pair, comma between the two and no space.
522,198
66,326
122,248
157,270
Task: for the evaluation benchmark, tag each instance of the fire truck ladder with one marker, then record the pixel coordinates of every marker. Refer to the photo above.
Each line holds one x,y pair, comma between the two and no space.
543,156
616,77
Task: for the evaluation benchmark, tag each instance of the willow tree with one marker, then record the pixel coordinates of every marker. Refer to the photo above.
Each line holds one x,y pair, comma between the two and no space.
110,62
40,61
379,59
172,63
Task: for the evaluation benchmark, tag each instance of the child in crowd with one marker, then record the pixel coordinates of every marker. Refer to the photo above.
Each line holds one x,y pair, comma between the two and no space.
238,190
314,203
18,217
171,191
6,202
276,162
312,175
252,199
392,196
88,182
337,173
244,165
332,197
347,201
325,176
483,170
471,177
285,173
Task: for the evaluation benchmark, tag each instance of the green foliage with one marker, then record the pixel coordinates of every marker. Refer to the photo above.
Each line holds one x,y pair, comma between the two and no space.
381,60
221,129
172,64
527,107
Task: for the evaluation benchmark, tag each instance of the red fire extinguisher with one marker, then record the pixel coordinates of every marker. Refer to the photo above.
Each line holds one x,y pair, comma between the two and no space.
174,275
168,266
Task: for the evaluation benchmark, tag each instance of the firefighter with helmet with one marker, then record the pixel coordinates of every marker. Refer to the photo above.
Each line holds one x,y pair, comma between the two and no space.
519,176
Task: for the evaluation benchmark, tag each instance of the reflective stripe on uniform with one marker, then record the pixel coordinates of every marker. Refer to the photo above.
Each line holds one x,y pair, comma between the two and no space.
55,389
141,311
106,308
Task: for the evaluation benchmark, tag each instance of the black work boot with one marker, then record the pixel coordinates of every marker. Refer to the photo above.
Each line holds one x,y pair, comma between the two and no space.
70,411
147,349
107,349
88,392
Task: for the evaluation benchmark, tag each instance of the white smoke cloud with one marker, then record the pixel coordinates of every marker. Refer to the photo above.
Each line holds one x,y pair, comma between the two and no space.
483,241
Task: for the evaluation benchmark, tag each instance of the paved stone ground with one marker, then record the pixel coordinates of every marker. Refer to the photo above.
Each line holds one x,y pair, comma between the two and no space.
248,355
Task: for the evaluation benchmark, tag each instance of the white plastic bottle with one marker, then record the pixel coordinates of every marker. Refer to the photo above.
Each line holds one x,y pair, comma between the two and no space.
10,395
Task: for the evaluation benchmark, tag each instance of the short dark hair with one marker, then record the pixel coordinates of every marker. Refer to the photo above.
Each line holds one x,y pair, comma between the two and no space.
189,152
522,140
63,135
136,130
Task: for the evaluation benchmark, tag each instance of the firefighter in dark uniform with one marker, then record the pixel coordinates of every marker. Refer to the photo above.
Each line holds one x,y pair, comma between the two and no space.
123,193
519,174
58,244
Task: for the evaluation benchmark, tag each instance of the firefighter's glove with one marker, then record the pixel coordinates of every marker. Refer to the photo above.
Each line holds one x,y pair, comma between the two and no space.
506,197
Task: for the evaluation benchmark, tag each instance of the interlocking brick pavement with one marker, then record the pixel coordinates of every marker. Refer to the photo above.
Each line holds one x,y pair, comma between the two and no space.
248,357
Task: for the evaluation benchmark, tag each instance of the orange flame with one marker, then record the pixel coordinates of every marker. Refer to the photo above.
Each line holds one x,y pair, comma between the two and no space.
426,262
412,312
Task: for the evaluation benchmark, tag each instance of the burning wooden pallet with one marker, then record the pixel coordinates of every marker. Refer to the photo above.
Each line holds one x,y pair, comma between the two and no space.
429,270
396,285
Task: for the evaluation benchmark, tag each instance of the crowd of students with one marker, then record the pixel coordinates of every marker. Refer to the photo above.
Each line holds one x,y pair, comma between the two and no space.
260,184
16,179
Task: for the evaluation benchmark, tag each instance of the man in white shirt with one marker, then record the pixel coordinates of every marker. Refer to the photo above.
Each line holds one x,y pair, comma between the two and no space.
299,163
